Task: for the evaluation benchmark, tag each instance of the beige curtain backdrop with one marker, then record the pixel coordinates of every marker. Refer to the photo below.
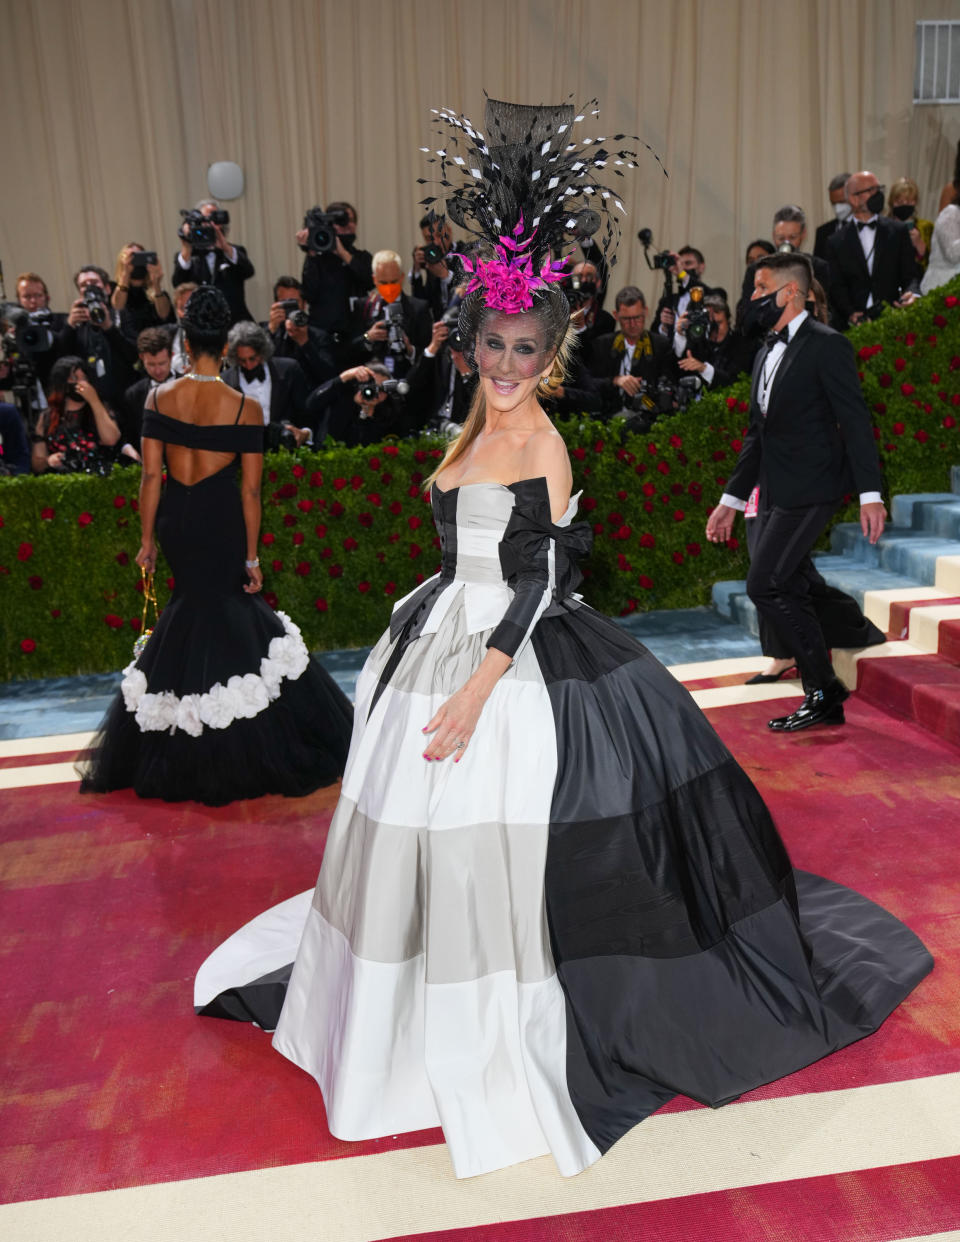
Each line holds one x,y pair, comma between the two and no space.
113,109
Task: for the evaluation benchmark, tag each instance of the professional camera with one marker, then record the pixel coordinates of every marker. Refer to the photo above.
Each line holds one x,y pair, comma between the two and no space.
393,312
140,260
580,291
370,389
451,318
96,303
31,330
662,260
321,233
432,253
299,318
786,248
698,317
198,229
688,389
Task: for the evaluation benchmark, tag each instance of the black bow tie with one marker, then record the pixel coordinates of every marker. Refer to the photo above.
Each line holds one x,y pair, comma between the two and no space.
258,373
866,224
773,337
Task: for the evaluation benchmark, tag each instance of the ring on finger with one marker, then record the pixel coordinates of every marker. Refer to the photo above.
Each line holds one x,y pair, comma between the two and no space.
459,745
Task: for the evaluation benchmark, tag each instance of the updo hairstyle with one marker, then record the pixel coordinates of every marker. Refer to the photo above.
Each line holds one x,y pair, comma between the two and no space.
206,321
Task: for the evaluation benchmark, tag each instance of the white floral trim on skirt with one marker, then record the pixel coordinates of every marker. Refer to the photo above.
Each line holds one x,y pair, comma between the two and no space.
243,697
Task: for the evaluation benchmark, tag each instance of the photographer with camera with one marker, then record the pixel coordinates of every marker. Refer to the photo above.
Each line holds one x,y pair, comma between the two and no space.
278,384
34,297
138,294
583,293
389,326
92,332
335,271
206,257
362,405
687,266
295,337
723,354
442,382
634,369
789,237
432,278
78,434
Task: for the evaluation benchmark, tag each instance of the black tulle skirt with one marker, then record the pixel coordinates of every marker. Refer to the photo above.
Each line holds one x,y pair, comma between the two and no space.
224,702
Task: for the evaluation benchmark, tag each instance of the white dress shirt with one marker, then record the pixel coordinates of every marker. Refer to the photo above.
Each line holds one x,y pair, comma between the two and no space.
868,244
768,373
259,390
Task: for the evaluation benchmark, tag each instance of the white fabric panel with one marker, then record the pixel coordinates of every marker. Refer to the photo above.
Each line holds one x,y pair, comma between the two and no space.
264,944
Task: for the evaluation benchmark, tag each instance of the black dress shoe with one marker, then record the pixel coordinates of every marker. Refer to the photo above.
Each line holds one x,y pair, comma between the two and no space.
760,679
818,707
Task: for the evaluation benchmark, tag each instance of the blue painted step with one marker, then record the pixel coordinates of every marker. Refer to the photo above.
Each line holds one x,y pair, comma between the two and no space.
912,553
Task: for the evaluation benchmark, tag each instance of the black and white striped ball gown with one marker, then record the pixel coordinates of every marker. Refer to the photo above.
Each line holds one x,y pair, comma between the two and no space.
590,913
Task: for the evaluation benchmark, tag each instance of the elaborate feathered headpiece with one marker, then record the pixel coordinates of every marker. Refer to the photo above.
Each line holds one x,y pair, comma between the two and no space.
522,189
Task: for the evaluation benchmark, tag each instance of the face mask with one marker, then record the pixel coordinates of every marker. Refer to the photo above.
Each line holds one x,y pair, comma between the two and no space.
875,202
843,211
73,391
347,239
390,292
904,211
762,313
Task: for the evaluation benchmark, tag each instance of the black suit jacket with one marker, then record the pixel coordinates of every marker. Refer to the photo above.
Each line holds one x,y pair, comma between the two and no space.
289,395
107,351
227,277
329,286
316,357
604,364
130,413
816,442
673,301
894,267
417,323
429,381
333,409
824,233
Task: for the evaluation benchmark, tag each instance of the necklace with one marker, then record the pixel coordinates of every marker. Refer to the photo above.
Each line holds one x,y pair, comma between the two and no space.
203,379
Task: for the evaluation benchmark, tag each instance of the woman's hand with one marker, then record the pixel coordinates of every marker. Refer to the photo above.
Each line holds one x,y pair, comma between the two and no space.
87,391
255,574
55,461
454,724
146,558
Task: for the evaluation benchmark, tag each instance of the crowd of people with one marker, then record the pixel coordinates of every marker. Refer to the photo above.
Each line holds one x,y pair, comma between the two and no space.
363,346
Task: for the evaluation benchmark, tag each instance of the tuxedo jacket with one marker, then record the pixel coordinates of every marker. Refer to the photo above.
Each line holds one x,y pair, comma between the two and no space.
330,286
316,357
672,302
816,442
289,392
227,277
429,381
894,267
604,364
824,232
417,323
130,412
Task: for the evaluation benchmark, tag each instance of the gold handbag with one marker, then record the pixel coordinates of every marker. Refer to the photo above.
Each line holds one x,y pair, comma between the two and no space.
149,598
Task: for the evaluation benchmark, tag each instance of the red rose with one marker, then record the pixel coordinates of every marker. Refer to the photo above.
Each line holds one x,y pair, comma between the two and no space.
733,543
339,484
631,606
743,406
289,520
588,504
865,352
113,621
268,538
320,605
326,553
907,389
693,549
676,489
276,566
386,478
122,558
350,544
885,381
663,467
648,506
955,399
365,519
47,514
337,509
135,623
272,476
676,441
621,495
645,582
374,463
910,339
678,558
320,531
286,492
419,578
363,587
719,454
316,479
297,538
949,421
598,447
414,523
298,471
932,338
304,505
578,453
390,588
899,429
921,436
934,378
899,364
624,532
27,645
950,300
356,482
393,537
647,541
880,407
25,551
652,449
396,508
171,582
54,612
302,569
649,489
374,498
271,599
731,403
35,582
736,445
420,455
335,571
940,321
413,491
598,528
390,450
415,551
640,468
678,515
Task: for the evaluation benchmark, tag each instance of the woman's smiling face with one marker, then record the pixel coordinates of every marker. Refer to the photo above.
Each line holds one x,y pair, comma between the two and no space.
511,357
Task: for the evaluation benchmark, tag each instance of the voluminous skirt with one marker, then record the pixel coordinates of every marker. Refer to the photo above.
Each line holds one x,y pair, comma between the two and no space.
540,945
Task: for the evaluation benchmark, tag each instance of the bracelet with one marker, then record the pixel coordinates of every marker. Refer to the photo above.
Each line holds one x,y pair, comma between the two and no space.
122,288
254,564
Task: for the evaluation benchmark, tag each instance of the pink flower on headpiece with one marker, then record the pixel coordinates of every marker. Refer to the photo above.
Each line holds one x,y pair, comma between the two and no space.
509,281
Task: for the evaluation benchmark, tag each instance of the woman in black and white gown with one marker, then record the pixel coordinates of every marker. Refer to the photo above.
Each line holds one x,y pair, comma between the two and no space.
550,899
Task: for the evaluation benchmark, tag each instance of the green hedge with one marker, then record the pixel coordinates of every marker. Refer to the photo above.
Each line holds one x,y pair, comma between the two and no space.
346,532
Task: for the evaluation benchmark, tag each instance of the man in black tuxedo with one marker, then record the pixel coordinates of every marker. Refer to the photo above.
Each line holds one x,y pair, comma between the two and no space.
92,332
334,279
311,347
631,359
724,354
225,267
789,234
688,266
810,442
872,260
442,382
156,359
277,383
841,210
343,411
374,338
432,279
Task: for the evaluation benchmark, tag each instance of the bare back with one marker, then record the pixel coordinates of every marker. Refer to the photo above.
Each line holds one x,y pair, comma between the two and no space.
201,405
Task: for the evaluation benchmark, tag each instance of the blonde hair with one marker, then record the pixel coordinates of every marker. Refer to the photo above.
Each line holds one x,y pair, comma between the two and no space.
386,256
476,418
904,187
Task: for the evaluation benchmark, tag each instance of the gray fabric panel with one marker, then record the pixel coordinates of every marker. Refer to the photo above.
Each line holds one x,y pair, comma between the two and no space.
470,898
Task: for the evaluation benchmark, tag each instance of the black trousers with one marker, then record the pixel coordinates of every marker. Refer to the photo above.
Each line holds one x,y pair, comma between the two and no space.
783,583
841,619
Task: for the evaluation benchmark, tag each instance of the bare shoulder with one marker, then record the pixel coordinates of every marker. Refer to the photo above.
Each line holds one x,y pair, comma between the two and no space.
252,413
545,456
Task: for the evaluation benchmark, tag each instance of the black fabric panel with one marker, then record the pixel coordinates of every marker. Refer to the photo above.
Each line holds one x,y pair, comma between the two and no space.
770,998
259,1001
212,437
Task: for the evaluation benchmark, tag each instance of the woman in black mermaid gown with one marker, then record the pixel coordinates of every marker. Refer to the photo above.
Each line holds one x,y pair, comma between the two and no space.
224,702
